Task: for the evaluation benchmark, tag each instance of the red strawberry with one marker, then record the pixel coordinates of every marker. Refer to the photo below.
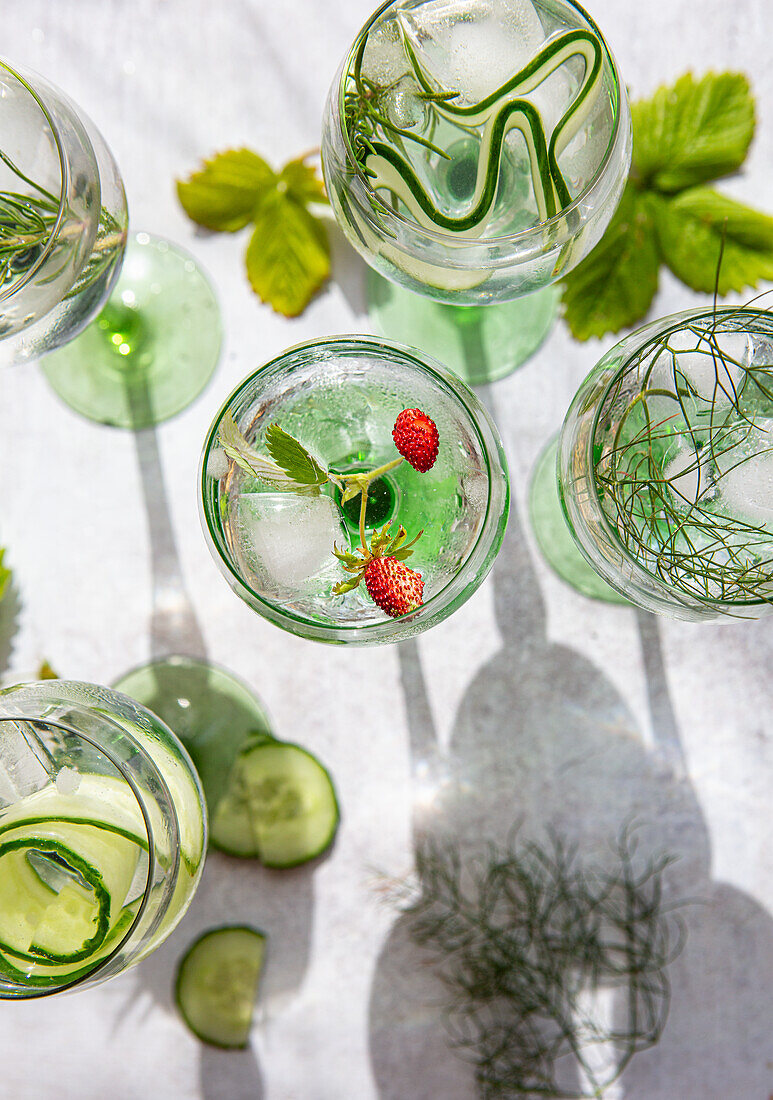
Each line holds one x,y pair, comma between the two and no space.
416,438
393,586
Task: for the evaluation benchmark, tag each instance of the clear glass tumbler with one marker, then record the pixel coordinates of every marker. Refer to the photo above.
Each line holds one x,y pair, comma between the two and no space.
474,154
102,835
340,398
63,218
665,465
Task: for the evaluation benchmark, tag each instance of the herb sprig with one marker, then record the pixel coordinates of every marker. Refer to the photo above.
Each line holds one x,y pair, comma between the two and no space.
682,434
685,136
523,936
288,254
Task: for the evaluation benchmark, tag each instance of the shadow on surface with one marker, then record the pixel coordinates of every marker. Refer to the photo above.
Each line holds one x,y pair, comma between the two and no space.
543,739
231,891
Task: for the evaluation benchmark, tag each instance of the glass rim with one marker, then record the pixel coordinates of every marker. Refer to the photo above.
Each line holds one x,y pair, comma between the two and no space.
36,992
441,600
676,321
531,232
28,275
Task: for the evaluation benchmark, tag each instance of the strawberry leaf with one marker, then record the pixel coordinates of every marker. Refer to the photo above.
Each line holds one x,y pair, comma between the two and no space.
691,227
225,193
293,457
248,459
692,131
346,586
5,575
288,257
614,286
302,183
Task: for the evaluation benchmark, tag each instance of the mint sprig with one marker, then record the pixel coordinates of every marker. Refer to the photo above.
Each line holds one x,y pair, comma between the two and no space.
288,255
683,137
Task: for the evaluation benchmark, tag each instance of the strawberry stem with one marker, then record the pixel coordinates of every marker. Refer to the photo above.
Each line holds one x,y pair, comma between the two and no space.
363,506
381,470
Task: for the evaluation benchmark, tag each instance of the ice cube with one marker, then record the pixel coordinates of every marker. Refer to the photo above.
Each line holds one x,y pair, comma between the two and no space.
217,463
746,482
68,780
472,47
401,104
384,60
287,539
685,477
715,377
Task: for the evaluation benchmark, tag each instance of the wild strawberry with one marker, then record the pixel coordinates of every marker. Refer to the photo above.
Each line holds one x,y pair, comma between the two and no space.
416,438
393,586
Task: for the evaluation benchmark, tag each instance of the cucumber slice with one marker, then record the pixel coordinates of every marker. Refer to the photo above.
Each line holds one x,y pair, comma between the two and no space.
36,922
217,981
280,806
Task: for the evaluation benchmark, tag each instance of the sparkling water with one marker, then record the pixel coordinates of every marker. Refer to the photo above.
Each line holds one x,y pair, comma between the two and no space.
469,50
282,542
684,462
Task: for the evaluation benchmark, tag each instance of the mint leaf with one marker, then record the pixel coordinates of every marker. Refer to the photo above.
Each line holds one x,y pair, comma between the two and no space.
5,575
288,257
690,229
693,131
293,457
614,286
302,182
46,672
226,192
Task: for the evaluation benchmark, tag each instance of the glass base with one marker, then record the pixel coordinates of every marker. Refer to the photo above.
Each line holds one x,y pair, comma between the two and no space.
479,343
211,711
553,536
153,347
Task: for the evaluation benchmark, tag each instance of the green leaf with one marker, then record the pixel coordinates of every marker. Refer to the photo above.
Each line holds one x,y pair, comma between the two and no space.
346,586
247,458
5,575
301,182
226,192
614,286
46,672
692,131
690,229
288,257
293,457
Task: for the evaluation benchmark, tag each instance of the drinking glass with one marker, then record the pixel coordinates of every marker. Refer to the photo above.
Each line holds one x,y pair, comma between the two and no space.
63,234
474,152
340,397
102,835
665,465
212,712
62,218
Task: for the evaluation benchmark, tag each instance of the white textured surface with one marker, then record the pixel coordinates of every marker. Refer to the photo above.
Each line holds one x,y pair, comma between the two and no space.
527,667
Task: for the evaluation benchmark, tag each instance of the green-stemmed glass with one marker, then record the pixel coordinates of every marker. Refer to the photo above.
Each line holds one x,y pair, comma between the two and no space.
665,465
102,835
340,397
62,218
210,710
474,153
63,233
